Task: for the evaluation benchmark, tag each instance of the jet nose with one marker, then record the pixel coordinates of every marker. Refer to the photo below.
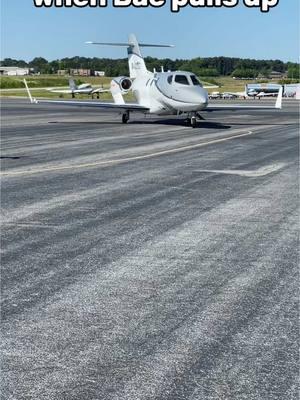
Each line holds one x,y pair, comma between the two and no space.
203,98
199,97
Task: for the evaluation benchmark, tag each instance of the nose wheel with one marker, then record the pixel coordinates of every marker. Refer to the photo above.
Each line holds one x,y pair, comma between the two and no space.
125,117
192,119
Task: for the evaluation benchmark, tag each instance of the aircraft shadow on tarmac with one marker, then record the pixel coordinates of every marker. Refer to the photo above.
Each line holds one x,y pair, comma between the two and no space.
170,122
182,122
9,158
259,124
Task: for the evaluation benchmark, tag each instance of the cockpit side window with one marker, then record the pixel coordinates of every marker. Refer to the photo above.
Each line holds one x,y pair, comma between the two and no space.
169,79
195,81
182,79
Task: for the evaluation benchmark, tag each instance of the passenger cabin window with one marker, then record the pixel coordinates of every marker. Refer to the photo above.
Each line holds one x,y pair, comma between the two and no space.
181,79
170,79
195,81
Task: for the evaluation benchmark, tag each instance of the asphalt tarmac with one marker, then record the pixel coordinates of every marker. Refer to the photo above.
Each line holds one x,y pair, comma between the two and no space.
149,260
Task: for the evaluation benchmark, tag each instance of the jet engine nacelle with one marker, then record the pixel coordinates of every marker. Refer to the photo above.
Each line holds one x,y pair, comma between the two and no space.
119,86
123,82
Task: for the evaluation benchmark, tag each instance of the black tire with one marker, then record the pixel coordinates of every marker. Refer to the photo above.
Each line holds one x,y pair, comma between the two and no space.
193,122
125,118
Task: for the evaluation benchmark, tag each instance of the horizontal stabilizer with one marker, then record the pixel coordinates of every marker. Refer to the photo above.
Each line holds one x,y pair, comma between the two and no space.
137,66
129,44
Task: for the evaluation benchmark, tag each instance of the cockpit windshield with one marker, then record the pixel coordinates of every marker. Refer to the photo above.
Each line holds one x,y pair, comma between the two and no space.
195,81
182,79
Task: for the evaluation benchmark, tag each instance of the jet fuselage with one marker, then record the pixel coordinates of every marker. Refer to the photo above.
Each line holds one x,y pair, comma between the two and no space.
170,92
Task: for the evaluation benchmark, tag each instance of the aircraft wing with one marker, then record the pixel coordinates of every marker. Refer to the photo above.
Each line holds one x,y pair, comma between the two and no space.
95,104
241,107
91,104
263,94
100,90
64,91
237,94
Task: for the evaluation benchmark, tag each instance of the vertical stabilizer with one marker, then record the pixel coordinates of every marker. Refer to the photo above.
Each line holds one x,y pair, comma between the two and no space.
72,84
137,66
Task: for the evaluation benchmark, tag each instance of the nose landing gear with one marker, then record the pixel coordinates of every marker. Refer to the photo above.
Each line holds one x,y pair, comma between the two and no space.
192,119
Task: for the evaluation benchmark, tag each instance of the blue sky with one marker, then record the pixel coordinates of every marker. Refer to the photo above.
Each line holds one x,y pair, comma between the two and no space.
54,33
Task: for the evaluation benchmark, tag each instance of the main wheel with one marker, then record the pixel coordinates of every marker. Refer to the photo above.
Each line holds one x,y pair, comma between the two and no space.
125,118
193,122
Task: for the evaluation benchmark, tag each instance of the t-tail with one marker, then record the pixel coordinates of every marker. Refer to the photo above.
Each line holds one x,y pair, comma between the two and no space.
72,84
136,62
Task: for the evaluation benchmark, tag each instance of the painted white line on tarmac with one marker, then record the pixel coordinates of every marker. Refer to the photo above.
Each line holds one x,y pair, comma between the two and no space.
249,174
123,160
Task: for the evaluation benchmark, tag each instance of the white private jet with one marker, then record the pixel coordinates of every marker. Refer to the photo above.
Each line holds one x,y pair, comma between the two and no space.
228,96
159,93
215,95
84,88
250,94
253,93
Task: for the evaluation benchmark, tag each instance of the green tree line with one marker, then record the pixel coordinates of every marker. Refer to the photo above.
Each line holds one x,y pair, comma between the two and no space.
205,67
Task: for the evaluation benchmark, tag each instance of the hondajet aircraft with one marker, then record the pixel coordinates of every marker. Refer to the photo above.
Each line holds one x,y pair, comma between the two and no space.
159,93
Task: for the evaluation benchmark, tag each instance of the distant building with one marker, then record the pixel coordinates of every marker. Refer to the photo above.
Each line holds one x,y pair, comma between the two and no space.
277,75
62,72
15,71
80,72
99,73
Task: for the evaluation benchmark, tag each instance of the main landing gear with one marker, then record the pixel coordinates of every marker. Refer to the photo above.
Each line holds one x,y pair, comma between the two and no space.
193,122
125,117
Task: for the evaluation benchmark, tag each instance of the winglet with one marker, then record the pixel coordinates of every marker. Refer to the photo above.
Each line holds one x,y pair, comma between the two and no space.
278,104
32,100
